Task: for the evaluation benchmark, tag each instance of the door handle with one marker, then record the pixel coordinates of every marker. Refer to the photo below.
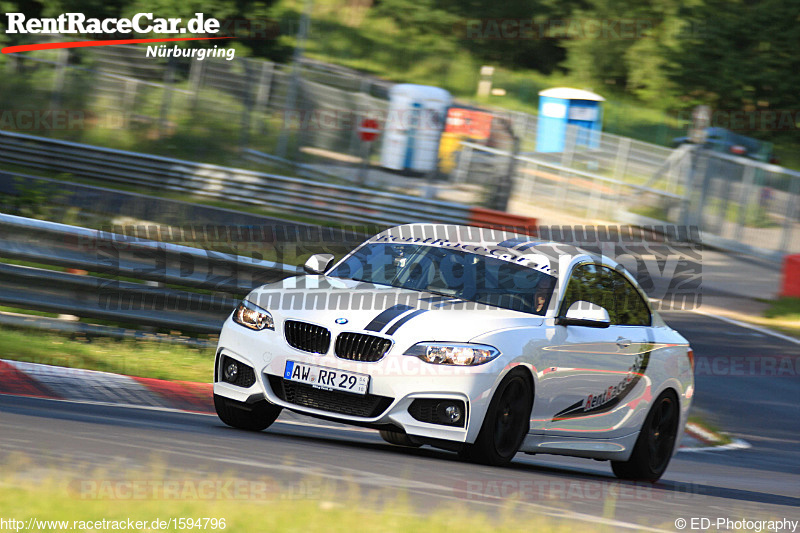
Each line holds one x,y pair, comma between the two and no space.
623,342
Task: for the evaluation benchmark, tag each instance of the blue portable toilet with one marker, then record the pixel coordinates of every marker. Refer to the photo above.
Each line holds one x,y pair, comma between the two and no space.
562,106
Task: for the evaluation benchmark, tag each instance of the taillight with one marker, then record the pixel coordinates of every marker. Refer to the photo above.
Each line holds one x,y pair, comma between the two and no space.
738,150
690,355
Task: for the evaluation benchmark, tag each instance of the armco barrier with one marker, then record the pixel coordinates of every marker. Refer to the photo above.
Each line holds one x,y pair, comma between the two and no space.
303,197
791,276
221,277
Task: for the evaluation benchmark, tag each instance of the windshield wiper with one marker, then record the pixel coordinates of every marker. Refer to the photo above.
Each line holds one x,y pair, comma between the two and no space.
441,293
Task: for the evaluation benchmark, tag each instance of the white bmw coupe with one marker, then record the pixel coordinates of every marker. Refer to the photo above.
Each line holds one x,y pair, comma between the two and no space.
471,340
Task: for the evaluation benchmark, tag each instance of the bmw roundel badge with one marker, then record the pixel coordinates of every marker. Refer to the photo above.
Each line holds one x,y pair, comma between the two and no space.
341,321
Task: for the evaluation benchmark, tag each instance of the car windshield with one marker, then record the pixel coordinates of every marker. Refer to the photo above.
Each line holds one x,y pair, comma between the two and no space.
455,273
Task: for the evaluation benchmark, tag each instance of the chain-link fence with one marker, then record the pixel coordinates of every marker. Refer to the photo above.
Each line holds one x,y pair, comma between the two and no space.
209,110
737,203
213,109
257,113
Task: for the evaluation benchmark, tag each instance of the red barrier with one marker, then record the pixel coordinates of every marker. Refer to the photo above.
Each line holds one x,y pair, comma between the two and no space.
489,218
791,276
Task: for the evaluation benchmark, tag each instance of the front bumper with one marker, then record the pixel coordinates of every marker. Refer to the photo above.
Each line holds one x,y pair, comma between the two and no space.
395,382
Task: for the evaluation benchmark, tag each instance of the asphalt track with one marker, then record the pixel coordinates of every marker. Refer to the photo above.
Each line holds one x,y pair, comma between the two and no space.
304,458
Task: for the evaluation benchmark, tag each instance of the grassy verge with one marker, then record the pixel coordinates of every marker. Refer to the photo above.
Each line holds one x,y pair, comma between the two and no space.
785,308
783,315
721,438
781,324
151,359
51,500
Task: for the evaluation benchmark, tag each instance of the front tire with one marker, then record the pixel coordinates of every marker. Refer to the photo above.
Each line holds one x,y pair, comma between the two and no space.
506,422
653,449
255,416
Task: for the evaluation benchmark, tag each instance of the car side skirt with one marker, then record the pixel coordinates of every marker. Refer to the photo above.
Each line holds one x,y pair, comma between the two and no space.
617,449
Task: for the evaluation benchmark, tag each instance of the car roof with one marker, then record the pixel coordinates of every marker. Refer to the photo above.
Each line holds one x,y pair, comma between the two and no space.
474,235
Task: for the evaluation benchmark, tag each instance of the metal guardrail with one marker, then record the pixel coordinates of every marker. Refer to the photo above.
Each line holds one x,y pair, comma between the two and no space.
738,204
292,195
73,247
112,258
543,182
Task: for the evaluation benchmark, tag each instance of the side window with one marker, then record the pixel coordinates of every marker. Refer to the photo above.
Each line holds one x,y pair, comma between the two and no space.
588,284
604,287
629,307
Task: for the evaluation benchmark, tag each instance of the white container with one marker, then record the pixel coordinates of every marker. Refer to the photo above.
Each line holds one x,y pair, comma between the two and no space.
414,125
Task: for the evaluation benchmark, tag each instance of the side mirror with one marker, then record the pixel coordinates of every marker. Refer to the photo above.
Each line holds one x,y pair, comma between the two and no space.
318,263
587,314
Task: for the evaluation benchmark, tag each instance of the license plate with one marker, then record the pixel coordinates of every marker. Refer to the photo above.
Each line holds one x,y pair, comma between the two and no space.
326,378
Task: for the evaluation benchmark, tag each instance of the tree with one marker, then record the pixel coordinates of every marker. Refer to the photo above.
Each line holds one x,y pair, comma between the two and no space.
740,55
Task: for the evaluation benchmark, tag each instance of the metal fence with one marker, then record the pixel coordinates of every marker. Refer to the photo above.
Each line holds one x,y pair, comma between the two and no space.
216,108
172,286
738,204
205,109
303,197
257,110
743,204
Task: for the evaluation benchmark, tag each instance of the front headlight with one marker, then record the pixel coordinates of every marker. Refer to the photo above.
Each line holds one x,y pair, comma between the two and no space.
454,353
251,316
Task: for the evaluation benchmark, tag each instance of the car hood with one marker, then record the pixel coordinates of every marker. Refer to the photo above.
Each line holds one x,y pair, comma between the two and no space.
348,305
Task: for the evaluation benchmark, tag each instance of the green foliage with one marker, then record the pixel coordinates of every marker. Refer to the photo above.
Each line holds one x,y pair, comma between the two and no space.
5,7
124,356
741,54
33,199
786,308
647,57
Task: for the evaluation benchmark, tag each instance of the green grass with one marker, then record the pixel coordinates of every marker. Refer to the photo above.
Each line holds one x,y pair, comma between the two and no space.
5,309
785,308
782,315
120,356
650,211
63,499
722,438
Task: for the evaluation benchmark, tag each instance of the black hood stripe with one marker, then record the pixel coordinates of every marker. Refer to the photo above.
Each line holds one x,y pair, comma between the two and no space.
380,321
403,320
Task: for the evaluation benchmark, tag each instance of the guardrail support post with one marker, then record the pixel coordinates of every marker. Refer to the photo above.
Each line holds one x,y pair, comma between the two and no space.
505,182
58,81
744,200
790,215
166,102
264,93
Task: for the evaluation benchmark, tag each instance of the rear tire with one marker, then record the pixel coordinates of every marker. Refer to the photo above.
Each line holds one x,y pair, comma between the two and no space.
399,439
255,416
506,422
653,449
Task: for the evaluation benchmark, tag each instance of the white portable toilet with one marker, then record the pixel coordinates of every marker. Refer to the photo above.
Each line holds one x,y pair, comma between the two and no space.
414,125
